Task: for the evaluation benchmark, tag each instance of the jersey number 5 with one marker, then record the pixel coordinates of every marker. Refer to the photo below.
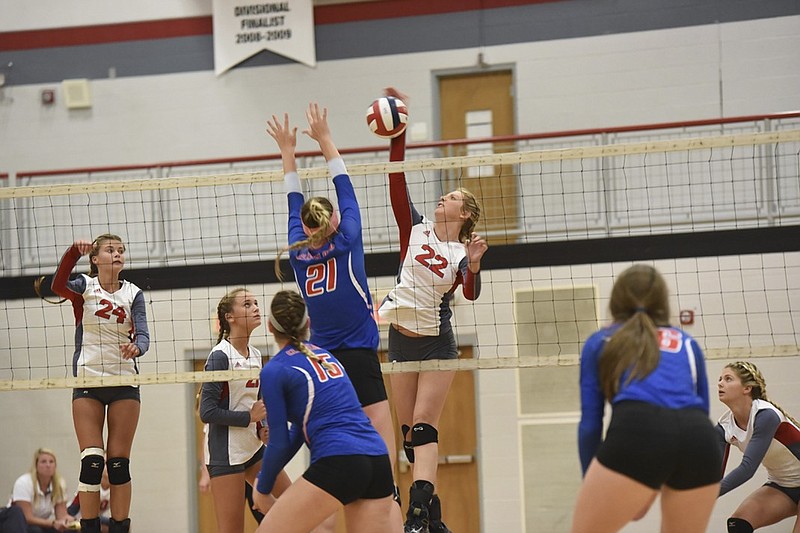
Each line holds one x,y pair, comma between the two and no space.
321,278
432,261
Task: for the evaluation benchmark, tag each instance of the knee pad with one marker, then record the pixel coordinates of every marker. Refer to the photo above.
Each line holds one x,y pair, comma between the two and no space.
739,525
90,525
92,464
123,526
118,470
408,448
423,434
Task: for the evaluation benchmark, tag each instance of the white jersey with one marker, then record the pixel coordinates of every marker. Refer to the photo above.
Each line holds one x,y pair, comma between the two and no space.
45,506
231,439
430,272
782,458
107,322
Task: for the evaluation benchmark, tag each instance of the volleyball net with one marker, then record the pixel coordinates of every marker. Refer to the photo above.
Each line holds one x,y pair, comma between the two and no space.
718,216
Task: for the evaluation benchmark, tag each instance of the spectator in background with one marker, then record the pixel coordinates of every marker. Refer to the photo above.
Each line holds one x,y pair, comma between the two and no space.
41,495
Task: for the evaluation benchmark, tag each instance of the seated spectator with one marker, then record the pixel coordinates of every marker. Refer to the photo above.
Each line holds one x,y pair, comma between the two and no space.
41,494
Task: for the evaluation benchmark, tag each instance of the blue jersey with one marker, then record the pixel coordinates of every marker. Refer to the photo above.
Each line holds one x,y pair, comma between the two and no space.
332,279
678,382
321,406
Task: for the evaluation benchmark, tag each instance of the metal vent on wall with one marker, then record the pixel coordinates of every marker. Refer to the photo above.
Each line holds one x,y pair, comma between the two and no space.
553,322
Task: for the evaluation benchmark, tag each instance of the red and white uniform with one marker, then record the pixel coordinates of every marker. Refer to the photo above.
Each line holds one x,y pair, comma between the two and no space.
225,406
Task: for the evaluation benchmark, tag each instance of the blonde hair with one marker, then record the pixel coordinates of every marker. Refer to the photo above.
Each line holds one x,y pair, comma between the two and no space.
751,377
37,283
317,212
640,302
57,481
224,307
288,312
473,207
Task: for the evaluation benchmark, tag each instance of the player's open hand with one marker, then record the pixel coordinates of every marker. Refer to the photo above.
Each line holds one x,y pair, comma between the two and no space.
317,122
284,135
392,91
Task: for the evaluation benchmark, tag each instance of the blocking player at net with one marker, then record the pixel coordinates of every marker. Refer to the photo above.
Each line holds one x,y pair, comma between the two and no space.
660,438
767,436
326,251
436,257
306,386
233,411
112,333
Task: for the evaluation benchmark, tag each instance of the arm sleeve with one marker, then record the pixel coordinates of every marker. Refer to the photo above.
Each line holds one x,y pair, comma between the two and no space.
472,280
59,283
210,411
404,213
765,424
295,231
141,333
291,183
590,428
724,447
283,444
702,376
350,219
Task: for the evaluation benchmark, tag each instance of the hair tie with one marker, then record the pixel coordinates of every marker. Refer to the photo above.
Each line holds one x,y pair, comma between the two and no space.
640,310
278,327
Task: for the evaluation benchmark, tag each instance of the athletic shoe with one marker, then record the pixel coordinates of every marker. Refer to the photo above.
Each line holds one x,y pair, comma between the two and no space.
416,519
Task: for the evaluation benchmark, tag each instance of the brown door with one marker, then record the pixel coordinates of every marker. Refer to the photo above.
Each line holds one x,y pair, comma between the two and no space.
482,105
458,467
206,518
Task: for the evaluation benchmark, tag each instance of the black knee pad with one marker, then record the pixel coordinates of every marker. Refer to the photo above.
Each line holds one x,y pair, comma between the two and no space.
423,434
739,525
123,526
90,525
92,464
408,448
119,470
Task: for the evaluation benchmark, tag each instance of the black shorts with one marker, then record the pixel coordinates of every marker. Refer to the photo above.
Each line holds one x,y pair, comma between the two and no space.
352,477
224,470
658,446
404,348
791,492
364,370
108,395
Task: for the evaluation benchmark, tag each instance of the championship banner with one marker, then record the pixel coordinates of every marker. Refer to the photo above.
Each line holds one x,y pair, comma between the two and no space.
243,29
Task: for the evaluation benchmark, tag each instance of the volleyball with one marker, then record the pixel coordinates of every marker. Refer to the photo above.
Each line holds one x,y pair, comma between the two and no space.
387,117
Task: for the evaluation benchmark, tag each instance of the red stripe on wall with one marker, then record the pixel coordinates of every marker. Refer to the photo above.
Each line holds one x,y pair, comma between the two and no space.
110,33
164,29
